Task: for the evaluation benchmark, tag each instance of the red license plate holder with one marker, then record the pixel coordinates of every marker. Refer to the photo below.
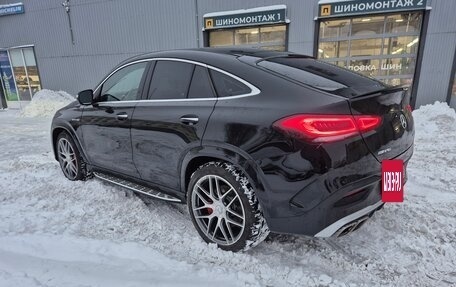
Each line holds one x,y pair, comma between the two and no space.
393,179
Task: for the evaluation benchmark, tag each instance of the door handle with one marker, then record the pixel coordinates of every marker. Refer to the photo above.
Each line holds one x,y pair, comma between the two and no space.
189,119
122,116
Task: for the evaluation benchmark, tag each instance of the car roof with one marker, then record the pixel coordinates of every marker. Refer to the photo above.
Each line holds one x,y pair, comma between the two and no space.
212,56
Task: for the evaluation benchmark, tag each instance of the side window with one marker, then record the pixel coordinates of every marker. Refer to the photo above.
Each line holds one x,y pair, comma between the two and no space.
227,86
123,85
201,84
171,80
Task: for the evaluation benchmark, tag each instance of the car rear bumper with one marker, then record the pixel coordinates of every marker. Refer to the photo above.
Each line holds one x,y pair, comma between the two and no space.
326,217
318,210
350,222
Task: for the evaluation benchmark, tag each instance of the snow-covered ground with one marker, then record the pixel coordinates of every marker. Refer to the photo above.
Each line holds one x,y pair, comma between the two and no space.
54,232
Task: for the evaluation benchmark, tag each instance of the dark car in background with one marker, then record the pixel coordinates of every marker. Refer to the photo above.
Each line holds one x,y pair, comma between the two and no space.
252,141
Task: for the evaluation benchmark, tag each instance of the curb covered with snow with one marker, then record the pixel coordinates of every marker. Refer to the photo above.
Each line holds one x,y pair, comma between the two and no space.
46,102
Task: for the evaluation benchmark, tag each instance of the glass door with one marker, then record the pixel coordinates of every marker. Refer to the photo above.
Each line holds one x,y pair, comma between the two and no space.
25,72
32,70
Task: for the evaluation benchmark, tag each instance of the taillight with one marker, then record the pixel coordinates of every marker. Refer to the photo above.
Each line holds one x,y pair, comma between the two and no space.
328,128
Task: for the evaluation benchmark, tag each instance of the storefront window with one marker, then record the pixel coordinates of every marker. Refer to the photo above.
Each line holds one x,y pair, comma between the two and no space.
246,36
273,34
6,77
273,48
366,47
401,45
367,67
264,37
403,23
367,26
397,66
339,63
383,47
335,28
337,49
221,38
399,82
25,73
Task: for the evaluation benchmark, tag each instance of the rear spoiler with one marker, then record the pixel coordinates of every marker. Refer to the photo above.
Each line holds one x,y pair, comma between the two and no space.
389,90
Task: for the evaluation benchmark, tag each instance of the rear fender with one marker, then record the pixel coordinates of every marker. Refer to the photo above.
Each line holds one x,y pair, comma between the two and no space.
227,153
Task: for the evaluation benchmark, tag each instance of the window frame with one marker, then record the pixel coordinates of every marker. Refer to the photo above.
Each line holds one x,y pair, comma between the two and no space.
151,76
254,90
208,77
99,88
214,84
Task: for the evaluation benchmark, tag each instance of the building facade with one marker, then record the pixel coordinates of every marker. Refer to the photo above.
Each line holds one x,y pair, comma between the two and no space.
70,45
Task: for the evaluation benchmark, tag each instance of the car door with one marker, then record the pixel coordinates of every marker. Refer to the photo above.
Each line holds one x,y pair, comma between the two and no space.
105,125
171,120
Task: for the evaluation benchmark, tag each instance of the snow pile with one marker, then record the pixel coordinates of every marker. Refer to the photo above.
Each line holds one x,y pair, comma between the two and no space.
46,102
54,232
435,139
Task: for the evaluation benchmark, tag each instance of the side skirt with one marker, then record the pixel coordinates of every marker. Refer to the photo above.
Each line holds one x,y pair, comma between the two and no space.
136,187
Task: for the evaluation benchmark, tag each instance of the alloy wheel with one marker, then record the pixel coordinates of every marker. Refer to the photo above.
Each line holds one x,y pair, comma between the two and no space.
67,158
218,210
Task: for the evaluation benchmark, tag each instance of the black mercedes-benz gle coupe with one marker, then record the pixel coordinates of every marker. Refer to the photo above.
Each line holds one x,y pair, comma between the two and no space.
252,141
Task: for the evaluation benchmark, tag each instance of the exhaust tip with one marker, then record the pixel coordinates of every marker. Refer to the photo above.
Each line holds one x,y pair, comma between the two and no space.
352,226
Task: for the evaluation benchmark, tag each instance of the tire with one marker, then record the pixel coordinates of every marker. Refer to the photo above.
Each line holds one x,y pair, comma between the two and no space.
224,209
71,162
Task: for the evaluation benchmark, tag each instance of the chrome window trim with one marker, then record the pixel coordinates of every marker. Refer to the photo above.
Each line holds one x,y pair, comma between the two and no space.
115,71
120,103
253,89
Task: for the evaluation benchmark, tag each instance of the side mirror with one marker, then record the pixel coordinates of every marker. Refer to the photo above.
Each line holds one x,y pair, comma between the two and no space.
85,97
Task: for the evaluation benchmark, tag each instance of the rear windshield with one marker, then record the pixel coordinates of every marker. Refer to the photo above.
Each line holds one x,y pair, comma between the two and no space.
323,76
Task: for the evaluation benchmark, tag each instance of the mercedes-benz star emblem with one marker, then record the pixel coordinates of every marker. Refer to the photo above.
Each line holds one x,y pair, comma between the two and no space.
403,121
